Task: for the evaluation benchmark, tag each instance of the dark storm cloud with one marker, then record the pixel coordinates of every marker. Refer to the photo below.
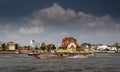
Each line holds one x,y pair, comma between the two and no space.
19,8
57,15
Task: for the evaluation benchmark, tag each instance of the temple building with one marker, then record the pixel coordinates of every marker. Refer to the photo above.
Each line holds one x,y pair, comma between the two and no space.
69,44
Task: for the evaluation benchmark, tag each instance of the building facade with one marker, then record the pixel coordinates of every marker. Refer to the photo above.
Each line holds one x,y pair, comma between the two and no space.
69,44
66,41
11,46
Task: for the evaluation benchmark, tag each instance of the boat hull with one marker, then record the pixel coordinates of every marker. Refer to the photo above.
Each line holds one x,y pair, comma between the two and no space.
48,56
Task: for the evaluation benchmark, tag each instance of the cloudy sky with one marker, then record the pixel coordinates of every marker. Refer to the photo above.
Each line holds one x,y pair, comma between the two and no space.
91,21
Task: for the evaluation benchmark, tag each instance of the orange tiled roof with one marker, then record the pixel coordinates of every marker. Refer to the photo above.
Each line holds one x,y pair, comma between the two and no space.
67,40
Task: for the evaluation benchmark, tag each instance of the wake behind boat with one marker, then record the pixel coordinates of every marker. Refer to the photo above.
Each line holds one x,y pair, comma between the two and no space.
78,56
82,56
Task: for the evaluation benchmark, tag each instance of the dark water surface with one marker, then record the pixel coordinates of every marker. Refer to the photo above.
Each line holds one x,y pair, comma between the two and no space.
106,62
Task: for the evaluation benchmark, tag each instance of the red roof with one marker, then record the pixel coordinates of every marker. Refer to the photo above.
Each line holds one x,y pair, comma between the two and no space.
67,40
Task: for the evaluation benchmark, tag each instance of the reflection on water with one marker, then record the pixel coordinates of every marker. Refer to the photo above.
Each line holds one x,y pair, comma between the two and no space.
106,62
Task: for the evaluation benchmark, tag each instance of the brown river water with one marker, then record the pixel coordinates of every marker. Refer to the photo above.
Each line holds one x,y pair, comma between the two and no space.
101,62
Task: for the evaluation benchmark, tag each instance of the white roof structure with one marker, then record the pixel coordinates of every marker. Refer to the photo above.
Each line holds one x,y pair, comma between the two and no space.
103,47
71,44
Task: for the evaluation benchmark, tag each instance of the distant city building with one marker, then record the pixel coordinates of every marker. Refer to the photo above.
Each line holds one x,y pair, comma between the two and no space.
34,44
106,47
11,46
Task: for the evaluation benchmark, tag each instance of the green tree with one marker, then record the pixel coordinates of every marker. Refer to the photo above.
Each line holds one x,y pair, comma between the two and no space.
50,47
43,46
53,47
87,44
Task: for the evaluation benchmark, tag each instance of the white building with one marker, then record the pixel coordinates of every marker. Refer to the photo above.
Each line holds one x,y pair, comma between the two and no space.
105,47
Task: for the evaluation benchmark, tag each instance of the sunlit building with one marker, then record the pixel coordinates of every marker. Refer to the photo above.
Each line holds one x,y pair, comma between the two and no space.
11,46
69,44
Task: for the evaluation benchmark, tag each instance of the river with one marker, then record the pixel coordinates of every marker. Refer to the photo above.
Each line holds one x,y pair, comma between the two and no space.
101,62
